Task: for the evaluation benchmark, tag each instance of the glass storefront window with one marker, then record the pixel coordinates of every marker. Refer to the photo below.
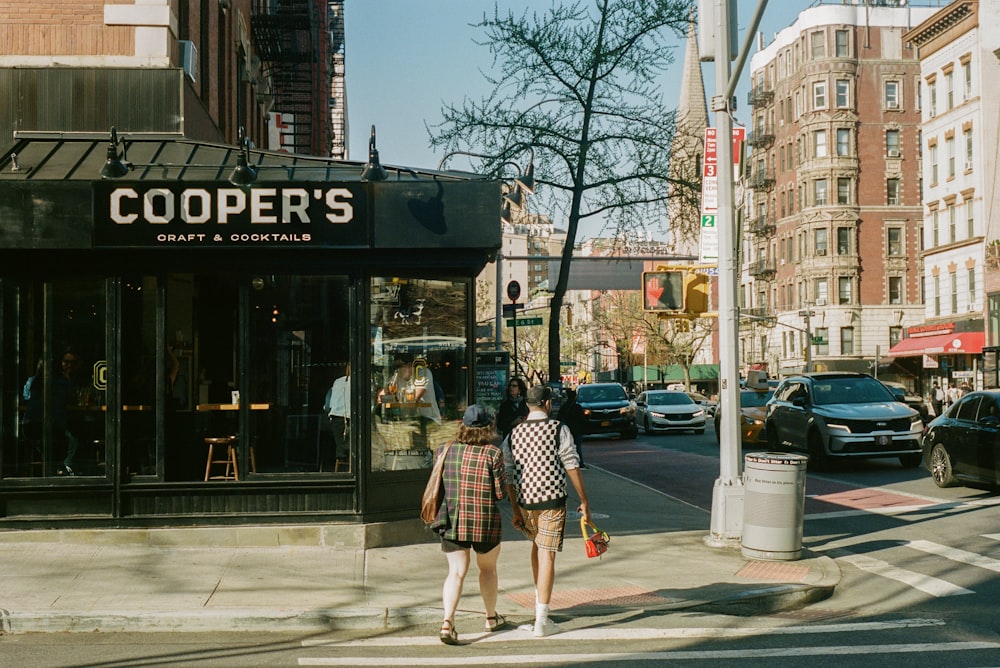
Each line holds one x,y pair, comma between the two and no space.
419,372
56,423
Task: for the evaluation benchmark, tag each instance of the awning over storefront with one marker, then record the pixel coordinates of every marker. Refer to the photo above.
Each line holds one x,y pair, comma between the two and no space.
962,343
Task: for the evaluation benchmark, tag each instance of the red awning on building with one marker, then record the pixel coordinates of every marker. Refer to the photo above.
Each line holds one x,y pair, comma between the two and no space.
963,343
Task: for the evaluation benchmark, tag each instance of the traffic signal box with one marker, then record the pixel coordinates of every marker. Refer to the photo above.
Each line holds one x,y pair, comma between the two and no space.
677,292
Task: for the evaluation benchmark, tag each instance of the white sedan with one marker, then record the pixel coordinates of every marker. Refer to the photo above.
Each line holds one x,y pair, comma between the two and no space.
668,410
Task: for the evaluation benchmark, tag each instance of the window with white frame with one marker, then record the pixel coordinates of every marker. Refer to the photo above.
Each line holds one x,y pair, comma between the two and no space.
844,290
895,335
843,141
842,43
819,95
935,229
843,93
819,192
892,143
819,144
954,292
949,144
846,340
972,288
967,76
932,158
937,295
892,197
817,42
952,223
843,241
820,241
932,98
821,291
949,91
821,341
968,149
895,289
894,241
970,221
892,95
843,190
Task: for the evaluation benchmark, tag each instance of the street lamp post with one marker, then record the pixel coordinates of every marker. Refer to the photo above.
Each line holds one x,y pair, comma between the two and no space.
807,313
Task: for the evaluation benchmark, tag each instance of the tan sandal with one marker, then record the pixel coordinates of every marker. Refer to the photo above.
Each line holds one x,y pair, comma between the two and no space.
448,634
496,622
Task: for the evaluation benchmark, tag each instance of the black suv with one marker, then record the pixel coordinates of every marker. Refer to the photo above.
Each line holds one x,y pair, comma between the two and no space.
839,415
607,409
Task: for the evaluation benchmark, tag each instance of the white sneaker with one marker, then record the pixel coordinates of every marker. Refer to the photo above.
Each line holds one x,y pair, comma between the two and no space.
546,628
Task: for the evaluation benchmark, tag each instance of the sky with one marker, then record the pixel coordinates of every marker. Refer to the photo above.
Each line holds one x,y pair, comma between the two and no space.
405,59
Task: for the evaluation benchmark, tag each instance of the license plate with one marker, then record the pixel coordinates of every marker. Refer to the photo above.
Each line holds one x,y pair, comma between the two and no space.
883,440
606,423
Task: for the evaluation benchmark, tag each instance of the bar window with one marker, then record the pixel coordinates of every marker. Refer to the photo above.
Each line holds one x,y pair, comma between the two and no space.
894,241
891,95
846,340
419,368
58,378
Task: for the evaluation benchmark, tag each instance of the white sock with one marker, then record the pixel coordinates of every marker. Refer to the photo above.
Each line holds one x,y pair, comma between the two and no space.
541,613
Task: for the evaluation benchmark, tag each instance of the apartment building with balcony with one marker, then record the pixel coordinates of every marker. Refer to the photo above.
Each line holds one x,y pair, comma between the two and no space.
958,56
831,213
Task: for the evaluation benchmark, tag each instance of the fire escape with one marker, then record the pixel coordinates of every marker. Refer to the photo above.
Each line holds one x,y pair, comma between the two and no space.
287,37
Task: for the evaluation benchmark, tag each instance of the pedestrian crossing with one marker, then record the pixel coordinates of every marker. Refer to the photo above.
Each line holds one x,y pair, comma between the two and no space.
927,584
619,645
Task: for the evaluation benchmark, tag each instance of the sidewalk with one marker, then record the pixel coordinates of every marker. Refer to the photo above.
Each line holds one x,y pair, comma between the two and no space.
272,578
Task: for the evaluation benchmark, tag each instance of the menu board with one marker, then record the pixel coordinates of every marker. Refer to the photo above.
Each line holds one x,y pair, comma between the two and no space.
492,373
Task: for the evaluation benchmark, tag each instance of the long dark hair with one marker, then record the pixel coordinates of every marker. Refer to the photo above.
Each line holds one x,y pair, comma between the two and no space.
520,384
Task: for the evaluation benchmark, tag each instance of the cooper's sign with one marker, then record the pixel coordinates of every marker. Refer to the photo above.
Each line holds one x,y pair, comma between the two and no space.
190,214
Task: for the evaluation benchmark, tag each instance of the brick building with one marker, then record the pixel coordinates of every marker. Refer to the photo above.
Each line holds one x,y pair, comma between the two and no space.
832,216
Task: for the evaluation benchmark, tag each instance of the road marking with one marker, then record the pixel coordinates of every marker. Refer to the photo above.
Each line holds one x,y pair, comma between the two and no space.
924,510
925,583
619,634
970,558
680,655
992,536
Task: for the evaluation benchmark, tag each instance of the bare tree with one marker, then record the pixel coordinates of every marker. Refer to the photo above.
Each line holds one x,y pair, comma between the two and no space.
577,89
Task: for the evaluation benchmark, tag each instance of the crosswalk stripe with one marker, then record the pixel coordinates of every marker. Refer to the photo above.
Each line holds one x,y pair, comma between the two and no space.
680,655
955,554
992,536
925,583
622,634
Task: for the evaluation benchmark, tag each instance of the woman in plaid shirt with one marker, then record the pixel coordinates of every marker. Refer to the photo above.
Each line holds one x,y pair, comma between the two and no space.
474,480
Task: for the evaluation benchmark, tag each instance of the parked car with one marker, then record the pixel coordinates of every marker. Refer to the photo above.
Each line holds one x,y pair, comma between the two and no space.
752,411
607,409
914,401
666,410
960,446
839,415
710,405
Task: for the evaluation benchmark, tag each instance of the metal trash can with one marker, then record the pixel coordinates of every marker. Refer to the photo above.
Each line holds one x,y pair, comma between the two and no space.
774,488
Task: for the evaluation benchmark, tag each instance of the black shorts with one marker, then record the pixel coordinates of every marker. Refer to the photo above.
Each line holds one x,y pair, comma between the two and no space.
456,545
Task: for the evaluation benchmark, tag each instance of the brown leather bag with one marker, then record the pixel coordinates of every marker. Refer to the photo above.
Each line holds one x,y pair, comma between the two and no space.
434,491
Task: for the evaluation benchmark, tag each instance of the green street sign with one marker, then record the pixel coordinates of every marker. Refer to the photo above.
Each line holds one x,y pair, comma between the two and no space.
524,322
565,363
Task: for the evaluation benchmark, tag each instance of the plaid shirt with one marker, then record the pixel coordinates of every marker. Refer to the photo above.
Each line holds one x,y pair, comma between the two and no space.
474,480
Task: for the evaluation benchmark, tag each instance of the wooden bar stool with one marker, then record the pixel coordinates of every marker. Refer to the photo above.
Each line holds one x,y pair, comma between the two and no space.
228,457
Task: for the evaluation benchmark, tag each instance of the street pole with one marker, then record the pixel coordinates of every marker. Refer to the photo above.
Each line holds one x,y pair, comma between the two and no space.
807,313
727,493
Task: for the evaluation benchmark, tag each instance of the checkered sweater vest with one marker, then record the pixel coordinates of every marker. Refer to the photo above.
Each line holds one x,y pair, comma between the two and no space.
541,478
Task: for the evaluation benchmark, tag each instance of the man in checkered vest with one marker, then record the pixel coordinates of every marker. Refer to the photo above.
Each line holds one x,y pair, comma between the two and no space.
539,456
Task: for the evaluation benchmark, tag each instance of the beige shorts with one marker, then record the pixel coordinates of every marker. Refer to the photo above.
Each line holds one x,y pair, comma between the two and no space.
545,527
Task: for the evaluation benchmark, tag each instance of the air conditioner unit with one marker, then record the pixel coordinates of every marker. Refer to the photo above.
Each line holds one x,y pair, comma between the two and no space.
820,302
893,152
820,251
968,166
892,104
189,58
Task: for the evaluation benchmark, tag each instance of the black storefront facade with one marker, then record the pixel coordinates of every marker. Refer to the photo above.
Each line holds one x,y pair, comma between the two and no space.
148,318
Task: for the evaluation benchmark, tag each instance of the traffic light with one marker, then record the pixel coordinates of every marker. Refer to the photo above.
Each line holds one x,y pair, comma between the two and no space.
663,291
680,291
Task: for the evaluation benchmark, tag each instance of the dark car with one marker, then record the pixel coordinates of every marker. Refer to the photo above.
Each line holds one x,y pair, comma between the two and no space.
607,409
962,446
903,394
840,415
